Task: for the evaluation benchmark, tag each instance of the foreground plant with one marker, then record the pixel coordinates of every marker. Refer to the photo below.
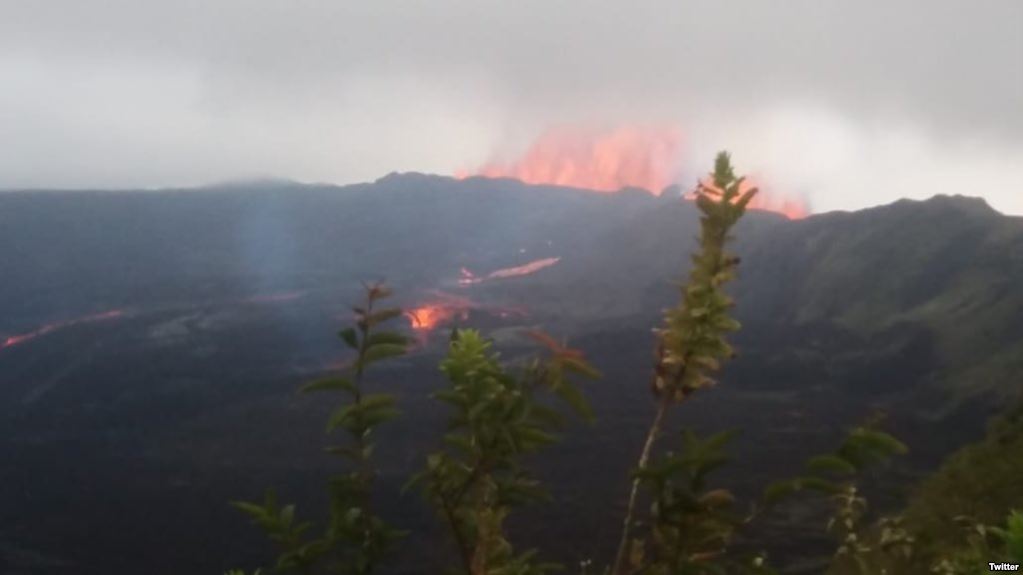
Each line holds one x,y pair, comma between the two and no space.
354,540
691,345
835,475
498,414
497,417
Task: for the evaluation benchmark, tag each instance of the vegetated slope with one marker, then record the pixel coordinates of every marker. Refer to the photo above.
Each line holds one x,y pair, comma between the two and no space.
979,484
939,278
192,389
922,299
931,289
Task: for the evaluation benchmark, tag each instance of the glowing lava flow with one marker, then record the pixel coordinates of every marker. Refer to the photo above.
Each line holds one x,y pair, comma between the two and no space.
469,278
427,317
443,309
52,327
630,156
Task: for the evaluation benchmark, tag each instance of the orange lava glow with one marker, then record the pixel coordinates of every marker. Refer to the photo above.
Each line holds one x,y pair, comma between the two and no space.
469,278
631,156
52,327
428,317
441,310
607,161
791,207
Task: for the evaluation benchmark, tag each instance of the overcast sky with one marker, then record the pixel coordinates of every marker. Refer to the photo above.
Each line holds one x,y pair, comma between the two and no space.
852,103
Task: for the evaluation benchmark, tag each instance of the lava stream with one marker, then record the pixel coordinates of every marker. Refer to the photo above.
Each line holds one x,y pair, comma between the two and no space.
443,308
55,326
469,278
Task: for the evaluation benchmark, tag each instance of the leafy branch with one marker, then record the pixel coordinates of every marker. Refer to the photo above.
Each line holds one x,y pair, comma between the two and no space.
497,416
354,540
691,344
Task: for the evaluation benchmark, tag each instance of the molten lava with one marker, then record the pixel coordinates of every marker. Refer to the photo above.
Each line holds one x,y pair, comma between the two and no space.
429,316
630,156
443,308
52,327
469,278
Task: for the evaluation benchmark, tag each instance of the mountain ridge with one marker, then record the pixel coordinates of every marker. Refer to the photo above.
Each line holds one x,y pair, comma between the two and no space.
215,306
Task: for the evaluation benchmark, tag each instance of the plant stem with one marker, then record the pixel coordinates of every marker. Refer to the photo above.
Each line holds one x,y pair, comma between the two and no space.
644,458
463,546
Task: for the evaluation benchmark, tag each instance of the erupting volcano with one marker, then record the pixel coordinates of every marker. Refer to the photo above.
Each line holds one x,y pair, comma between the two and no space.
607,161
604,161
52,327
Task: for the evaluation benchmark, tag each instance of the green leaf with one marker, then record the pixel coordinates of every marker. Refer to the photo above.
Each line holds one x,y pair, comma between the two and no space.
744,200
253,510
387,337
580,367
819,484
287,515
717,498
533,436
781,489
377,408
830,464
379,416
342,417
576,400
878,441
349,337
382,351
378,400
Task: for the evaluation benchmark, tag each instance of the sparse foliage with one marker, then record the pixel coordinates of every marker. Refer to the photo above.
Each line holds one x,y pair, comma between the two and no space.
500,413
497,416
691,344
354,540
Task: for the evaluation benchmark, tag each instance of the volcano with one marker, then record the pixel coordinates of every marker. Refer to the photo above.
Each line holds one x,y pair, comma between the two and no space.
237,293
644,157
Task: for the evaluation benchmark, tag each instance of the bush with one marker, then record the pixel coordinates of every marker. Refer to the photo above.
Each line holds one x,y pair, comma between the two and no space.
477,478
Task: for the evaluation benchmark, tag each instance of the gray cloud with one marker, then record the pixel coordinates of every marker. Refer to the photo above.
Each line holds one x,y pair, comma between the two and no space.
817,94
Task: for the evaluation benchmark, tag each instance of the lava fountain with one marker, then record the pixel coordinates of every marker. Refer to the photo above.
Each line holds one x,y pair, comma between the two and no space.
607,161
